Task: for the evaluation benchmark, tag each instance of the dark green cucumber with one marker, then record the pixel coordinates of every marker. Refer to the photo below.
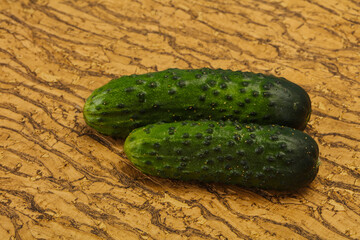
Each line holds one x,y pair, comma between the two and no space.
249,155
174,95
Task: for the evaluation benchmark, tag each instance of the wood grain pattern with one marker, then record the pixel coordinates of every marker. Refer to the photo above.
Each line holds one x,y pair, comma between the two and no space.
61,180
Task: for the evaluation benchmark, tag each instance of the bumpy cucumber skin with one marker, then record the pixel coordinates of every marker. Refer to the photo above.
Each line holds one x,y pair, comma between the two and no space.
249,155
175,95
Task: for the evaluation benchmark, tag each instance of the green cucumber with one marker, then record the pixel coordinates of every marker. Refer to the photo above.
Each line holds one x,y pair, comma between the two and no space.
174,95
249,155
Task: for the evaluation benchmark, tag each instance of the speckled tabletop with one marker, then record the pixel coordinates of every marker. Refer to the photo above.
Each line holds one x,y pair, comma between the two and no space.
59,179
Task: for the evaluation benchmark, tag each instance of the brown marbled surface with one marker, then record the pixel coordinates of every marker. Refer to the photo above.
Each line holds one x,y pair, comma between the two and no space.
61,180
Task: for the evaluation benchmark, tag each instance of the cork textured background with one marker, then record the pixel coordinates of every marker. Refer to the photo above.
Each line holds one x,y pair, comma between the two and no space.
59,179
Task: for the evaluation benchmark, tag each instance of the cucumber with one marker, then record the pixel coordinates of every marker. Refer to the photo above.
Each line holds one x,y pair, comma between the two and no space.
249,155
175,95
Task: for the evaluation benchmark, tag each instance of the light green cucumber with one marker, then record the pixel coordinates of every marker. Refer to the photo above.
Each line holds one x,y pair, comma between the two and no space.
174,95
